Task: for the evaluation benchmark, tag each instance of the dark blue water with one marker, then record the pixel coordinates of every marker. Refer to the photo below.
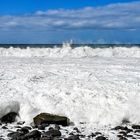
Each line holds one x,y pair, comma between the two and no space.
60,45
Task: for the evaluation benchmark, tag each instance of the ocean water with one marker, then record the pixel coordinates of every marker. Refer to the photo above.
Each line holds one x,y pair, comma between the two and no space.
98,86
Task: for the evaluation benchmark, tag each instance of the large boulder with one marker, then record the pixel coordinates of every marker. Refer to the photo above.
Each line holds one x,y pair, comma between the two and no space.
50,119
9,118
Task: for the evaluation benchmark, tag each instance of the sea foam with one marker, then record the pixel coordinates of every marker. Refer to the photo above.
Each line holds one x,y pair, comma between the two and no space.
67,51
101,90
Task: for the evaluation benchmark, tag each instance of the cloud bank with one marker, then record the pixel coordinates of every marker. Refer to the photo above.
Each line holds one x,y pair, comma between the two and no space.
113,16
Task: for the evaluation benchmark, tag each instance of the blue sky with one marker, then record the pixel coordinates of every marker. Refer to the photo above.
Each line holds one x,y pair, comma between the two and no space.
56,21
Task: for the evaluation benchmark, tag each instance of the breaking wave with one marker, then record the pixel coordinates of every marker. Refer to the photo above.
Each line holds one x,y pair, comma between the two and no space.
67,51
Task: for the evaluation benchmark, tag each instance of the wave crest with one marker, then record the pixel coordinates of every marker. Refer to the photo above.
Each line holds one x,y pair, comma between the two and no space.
67,51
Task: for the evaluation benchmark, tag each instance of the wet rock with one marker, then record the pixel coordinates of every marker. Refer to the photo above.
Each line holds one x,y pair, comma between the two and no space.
17,126
129,136
137,131
4,127
136,126
129,130
23,130
92,135
42,126
20,123
101,138
57,127
15,135
51,128
34,134
123,133
9,118
76,129
51,119
98,133
73,137
120,128
52,133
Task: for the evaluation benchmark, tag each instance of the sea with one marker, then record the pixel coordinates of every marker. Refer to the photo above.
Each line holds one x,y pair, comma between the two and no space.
96,86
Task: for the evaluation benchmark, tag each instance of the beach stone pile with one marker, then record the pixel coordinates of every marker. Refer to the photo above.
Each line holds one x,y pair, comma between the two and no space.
47,126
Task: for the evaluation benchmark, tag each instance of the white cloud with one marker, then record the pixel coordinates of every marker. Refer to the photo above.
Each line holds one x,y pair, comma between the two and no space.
113,16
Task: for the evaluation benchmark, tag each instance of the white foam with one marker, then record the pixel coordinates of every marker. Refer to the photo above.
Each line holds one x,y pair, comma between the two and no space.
68,51
95,90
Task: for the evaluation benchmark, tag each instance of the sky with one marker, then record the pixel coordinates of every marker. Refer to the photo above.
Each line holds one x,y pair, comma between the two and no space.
57,21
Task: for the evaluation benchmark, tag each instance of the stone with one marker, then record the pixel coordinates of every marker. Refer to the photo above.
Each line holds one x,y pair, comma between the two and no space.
20,123
42,126
33,134
57,127
15,135
76,129
136,126
4,127
23,130
100,138
129,130
137,131
52,133
73,137
98,133
120,128
51,119
123,133
92,135
9,118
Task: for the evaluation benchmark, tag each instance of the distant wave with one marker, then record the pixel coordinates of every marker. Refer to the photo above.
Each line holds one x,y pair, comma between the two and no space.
67,51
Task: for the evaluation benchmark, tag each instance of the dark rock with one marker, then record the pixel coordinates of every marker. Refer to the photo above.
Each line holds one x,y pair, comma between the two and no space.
100,138
34,134
123,133
51,119
20,123
76,129
4,127
137,131
73,137
17,126
119,136
9,118
71,133
51,128
129,130
92,135
98,133
82,136
15,135
52,133
57,127
42,126
23,130
136,126
120,128
27,127
129,136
